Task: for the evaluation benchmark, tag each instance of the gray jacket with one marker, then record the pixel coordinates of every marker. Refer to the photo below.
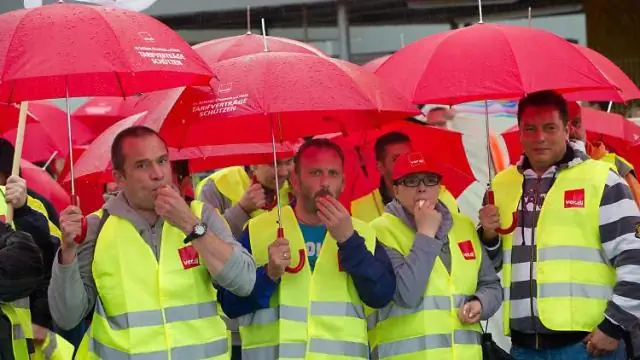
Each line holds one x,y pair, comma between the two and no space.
72,292
234,214
414,270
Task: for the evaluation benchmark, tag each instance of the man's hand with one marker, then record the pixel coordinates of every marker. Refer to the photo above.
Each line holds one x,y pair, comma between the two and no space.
172,208
335,217
70,227
39,333
428,219
16,192
490,221
599,343
279,258
470,312
253,199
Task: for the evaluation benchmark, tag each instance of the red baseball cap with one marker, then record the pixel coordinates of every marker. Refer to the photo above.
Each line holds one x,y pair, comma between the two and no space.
412,163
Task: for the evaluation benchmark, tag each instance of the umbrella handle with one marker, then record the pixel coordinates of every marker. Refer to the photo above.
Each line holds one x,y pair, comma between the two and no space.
302,255
514,216
75,201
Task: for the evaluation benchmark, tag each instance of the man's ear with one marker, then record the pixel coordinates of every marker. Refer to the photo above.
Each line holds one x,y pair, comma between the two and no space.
118,176
294,181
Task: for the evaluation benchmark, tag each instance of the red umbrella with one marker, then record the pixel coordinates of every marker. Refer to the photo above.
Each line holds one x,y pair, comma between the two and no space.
44,124
616,132
73,50
285,96
217,50
101,112
487,62
374,64
627,88
41,182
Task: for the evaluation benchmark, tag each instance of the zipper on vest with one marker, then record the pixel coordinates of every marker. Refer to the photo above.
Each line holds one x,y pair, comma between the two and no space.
536,191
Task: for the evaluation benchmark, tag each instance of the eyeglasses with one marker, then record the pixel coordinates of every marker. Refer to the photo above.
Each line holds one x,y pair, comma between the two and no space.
414,181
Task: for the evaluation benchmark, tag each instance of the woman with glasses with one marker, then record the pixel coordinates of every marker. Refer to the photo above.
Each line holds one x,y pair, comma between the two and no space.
446,283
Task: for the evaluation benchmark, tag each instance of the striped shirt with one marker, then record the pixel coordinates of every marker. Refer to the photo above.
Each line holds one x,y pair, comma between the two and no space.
618,218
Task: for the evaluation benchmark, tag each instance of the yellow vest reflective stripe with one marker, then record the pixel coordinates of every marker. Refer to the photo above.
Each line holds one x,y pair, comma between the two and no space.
432,329
315,315
19,316
38,206
574,280
150,309
612,159
369,207
233,181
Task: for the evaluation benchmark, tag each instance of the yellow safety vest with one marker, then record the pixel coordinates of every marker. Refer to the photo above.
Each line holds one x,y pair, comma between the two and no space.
147,308
38,206
611,158
54,347
432,330
20,317
574,279
315,315
370,206
232,182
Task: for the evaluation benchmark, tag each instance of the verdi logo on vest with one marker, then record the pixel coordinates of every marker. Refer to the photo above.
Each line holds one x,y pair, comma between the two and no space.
466,247
574,198
189,257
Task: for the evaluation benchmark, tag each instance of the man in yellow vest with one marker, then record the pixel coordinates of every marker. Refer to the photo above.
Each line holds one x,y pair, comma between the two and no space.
148,265
21,269
317,278
445,281
568,269
242,193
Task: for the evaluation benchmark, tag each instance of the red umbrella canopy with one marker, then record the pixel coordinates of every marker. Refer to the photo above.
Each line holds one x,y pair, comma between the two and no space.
100,112
236,46
41,182
374,64
76,50
627,89
490,62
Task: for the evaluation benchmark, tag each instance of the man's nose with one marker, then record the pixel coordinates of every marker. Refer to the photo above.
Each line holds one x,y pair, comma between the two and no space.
156,172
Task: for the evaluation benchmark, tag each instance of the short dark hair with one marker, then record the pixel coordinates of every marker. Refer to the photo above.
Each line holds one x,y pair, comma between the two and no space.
6,157
316,144
544,98
117,151
390,138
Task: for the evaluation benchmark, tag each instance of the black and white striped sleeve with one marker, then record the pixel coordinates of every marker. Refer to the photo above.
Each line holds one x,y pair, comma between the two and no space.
619,218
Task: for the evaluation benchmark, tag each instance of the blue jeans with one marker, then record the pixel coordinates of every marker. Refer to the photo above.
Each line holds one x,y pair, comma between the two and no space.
572,352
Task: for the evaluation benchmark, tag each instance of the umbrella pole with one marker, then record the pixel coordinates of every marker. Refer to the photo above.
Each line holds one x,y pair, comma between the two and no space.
53,156
488,134
609,106
71,163
17,154
275,168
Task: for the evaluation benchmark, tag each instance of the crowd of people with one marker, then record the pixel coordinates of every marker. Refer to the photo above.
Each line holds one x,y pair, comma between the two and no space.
229,271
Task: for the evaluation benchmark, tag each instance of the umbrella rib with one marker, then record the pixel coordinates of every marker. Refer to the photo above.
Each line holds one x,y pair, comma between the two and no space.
515,61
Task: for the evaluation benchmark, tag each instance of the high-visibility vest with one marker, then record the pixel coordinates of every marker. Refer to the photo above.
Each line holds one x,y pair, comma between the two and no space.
232,182
315,315
54,347
431,330
574,279
38,206
19,316
370,206
613,158
153,309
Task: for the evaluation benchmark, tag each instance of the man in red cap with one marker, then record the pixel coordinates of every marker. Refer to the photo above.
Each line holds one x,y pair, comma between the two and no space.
445,283
597,149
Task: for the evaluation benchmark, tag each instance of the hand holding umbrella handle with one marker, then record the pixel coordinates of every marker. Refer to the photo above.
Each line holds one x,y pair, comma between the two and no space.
75,201
301,254
514,219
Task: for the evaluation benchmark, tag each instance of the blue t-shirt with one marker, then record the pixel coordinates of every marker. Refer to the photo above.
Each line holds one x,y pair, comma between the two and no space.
313,238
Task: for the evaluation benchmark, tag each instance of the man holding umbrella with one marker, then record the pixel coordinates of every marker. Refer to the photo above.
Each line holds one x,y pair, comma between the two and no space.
317,275
569,268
